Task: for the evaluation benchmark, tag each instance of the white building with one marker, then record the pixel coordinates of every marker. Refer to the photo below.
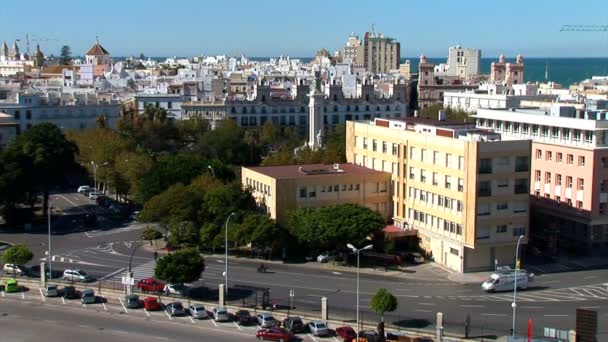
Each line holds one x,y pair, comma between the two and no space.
493,96
8,129
67,111
462,62
172,103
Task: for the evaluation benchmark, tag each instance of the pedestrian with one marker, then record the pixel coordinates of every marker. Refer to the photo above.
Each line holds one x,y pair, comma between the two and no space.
155,255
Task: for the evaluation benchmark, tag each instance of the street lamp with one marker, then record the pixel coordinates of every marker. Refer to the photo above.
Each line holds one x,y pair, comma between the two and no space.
130,260
355,250
514,304
226,245
50,257
95,166
211,168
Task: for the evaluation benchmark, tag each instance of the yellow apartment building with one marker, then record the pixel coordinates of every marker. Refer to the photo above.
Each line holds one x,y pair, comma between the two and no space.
463,190
279,189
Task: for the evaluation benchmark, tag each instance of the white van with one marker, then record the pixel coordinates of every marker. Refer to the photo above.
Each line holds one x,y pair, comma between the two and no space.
505,281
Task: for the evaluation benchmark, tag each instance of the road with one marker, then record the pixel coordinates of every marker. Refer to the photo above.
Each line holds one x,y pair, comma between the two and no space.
550,302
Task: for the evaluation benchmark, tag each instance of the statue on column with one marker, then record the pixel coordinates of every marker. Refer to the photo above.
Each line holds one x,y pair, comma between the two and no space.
320,138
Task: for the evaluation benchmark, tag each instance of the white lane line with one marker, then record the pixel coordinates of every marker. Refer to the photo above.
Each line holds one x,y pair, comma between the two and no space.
104,306
312,337
123,305
41,295
423,310
429,304
590,277
590,307
62,300
2,293
162,338
472,306
464,291
531,307
147,313
166,313
336,273
22,295
111,274
84,305
549,282
492,314
555,315
191,320
238,326
65,198
335,339
213,321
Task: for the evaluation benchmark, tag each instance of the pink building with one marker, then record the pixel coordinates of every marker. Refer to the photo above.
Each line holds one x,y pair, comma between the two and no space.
569,172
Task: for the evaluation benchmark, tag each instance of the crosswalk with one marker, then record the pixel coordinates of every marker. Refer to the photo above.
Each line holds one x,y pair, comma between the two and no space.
590,262
99,232
142,271
570,294
549,268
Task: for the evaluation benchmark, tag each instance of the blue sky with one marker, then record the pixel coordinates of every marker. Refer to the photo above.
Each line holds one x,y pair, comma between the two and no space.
300,28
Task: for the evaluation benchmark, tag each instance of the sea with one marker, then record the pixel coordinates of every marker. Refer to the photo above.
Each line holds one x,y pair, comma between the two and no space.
565,71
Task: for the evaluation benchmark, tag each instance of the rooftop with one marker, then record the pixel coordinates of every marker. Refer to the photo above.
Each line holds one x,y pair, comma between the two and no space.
319,170
97,50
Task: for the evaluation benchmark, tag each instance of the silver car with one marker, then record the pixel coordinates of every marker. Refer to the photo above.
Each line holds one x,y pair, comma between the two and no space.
197,311
88,297
175,309
220,314
266,320
318,328
51,291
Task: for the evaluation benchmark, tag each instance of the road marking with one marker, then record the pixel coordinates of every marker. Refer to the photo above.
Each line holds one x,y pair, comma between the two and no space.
191,320
146,311
238,326
423,310
62,300
464,291
162,338
166,313
66,199
220,261
555,315
22,295
111,274
336,273
312,337
550,282
84,305
430,304
41,295
335,339
213,321
472,306
492,314
531,307
123,305
590,277
590,307
104,306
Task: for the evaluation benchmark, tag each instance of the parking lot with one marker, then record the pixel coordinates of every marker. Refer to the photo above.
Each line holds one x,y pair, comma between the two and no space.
115,305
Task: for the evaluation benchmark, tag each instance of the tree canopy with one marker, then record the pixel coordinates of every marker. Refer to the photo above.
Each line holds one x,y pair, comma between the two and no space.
17,254
383,301
452,114
182,266
150,234
65,55
331,227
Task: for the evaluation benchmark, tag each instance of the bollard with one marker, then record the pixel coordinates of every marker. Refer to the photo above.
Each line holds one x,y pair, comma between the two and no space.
572,336
42,274
439,333
221,295
324,313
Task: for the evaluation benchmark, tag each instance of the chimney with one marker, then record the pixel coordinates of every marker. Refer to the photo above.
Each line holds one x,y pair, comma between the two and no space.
442,116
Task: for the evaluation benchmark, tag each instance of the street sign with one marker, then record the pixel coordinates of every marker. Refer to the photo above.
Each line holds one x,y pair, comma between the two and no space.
292,293
128,280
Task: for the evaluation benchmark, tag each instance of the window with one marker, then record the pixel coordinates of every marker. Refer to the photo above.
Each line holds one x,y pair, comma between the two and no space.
502,228
448,182
549,155
485,189
422,155
423,176
547,177
568,182
435,178
581,161
483,209
539,154
460,163
460,184
374,145
502,206
336,188
17,115
570,159
454,251
588,136
537,175
395,149
485,165
384,147
435,157
580,184
365,143
459,206
440,200
518,231
302,192
412,173
28,114
312,193
448,160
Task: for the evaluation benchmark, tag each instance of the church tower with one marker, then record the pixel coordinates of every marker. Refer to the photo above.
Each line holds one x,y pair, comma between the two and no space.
38,57
316,129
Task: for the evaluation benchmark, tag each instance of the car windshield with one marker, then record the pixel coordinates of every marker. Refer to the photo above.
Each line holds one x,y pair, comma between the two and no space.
87,294
320,326
177,306
52,287
243,313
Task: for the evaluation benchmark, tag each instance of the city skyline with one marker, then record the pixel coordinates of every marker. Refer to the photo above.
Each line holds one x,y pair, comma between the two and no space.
272,28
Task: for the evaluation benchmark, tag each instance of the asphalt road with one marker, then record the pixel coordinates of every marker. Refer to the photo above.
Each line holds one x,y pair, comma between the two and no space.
551,301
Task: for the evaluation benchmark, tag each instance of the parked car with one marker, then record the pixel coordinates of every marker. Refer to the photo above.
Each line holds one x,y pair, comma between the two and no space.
294,324
11,285
132,301
76,275
243,317
51,290
414,258
94,195
324,257
274,334
266,320
84,189
175,309
14,269
198,311
151,304
175,289
89,219
318,328
150,285
88,297
370,335
103,201
69,292
346,333
220,314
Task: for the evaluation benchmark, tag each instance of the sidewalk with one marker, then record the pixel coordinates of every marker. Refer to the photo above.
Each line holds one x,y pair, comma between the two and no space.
469,278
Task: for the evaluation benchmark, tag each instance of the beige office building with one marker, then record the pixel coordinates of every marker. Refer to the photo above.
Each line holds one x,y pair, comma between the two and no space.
463,190
279,189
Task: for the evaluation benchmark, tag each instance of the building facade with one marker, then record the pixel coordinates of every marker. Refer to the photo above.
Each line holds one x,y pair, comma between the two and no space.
431,88
380,54
462,63
502,72
464,190
8,129
569,172
279,189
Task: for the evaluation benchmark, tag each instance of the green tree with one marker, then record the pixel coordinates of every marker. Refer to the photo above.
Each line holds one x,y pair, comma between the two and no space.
220,202
207,236
150,234
227,144
329,228
452,114
17,254
42,156
383,301
258,229
183,234
65,55
183,266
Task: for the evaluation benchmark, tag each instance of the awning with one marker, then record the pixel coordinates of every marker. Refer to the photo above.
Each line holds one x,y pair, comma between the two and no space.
394,231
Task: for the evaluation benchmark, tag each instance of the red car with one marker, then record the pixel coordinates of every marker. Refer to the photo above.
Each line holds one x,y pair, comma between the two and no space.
274,334
346,333
151,304
150,285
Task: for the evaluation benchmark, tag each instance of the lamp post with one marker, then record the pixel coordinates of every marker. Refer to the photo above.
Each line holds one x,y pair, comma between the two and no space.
226,245
211,168
129,275
95,166
355,250
49,224
514,304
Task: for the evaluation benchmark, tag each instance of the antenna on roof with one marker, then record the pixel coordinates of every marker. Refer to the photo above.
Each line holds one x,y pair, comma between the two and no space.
97,39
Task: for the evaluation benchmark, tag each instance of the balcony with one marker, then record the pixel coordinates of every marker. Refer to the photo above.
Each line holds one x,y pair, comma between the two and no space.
484,192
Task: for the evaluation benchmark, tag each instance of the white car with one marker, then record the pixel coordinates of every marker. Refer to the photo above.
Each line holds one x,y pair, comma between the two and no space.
266,320
324,257
94,195
76,275
84,189
14,269
220,314
318,328
175,289
51,291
